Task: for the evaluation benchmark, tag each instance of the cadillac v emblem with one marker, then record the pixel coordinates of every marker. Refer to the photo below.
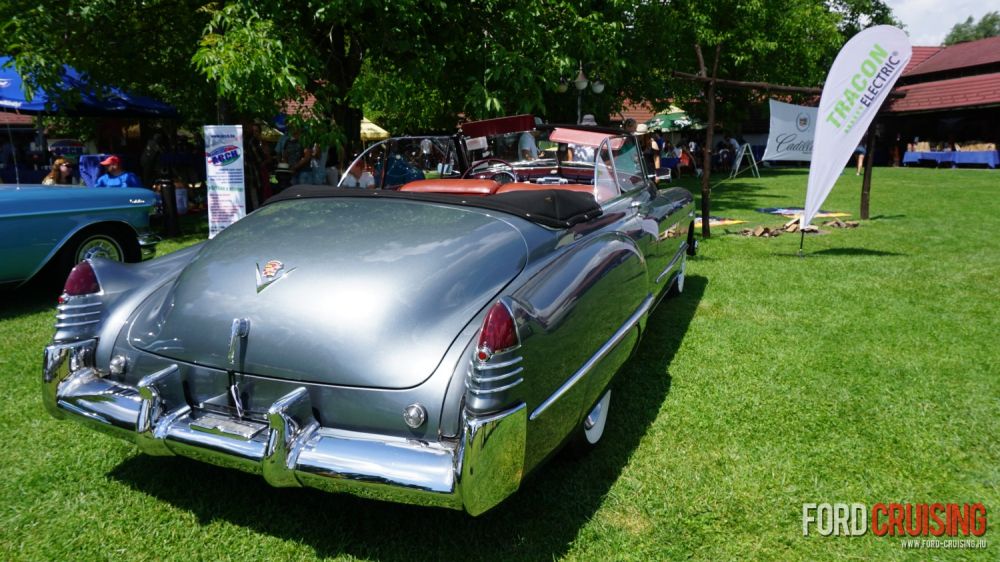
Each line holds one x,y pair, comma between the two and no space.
273,271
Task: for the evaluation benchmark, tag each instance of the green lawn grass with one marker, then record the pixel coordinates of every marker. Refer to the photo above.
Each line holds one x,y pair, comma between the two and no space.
866,371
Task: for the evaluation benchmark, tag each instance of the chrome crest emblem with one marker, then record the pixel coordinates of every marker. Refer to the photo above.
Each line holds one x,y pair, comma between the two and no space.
273,271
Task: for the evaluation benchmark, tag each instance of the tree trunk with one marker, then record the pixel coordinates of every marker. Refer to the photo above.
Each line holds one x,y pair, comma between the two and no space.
866,183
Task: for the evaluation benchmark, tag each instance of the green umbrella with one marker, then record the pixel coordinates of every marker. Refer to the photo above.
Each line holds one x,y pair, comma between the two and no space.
674,119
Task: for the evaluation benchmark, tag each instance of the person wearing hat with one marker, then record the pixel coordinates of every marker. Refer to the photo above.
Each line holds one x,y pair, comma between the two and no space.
527,148
115,176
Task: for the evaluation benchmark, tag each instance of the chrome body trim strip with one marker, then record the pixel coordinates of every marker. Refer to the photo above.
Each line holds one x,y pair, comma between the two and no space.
75,313
670,266
474,473
515,372
76,324
483,366
75,306
479,392
604,350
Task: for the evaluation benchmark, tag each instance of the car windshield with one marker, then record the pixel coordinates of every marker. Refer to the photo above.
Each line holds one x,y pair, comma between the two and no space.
609,162
397,161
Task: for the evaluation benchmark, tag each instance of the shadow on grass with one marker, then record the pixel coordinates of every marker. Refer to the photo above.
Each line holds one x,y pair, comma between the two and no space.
855,252
35,296
837,252
737,195
539,522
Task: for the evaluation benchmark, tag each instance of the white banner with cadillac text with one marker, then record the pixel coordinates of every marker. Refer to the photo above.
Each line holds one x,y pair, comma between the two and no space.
792,130
224,175
858,82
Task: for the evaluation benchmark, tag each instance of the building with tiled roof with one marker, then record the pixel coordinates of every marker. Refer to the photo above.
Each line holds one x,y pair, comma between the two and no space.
951,94
640,111
16,119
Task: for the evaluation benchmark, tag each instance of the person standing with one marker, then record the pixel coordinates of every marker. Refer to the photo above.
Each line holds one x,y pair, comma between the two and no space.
151,155
296,156
581,152
115,176
860,152
527,149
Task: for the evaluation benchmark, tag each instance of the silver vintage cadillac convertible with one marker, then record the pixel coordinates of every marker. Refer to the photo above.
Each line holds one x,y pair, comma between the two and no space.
429,340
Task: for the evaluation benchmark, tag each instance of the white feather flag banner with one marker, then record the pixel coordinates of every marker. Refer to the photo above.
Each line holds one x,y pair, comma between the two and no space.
858,82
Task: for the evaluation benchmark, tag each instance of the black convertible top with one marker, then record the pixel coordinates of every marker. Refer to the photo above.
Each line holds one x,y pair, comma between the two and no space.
554,208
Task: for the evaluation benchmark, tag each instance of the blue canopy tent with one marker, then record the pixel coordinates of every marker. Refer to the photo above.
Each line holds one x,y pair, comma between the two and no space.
90,101
86,100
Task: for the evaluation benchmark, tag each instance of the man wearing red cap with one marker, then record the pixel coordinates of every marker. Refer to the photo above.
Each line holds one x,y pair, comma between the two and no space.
115,176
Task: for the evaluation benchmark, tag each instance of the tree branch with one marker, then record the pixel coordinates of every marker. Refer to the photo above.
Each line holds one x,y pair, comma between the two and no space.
702,71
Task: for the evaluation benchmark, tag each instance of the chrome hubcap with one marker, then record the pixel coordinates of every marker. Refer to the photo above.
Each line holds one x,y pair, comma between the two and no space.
99,247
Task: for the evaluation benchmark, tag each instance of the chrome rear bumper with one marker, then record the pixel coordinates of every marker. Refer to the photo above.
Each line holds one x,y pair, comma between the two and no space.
147,245
291,449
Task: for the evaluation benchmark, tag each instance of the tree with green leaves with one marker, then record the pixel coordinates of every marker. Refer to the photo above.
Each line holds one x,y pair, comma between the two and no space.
971,30
410,65
415,65
779,41
145,48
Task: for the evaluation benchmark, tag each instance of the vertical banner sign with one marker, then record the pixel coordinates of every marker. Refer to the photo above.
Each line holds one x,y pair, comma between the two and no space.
859,81
224,173
793,128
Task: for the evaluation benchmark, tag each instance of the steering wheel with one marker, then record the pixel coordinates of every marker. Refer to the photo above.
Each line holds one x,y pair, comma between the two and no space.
498,176
504,177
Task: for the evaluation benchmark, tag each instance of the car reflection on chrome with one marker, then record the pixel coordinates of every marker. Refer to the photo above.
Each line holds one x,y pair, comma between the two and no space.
429,341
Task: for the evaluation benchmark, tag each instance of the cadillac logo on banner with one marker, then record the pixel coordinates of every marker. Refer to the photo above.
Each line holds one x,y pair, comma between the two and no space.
793,128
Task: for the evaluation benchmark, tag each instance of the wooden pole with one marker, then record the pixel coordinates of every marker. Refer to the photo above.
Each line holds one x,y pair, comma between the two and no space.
706,189
766,86
866,183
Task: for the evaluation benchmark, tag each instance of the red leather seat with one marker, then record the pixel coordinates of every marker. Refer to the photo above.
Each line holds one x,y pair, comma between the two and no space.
452,186
519,186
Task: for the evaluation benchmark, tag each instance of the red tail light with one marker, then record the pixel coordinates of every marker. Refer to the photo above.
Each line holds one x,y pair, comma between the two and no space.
498,334
81,281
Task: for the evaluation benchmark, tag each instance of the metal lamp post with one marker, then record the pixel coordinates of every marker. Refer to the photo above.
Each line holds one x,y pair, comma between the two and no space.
581,82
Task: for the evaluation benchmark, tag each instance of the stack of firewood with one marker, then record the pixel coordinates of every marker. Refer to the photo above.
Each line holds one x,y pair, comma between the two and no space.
767,232
793,226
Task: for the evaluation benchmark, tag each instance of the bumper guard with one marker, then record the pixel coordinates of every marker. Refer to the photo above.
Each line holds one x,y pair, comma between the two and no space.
291,448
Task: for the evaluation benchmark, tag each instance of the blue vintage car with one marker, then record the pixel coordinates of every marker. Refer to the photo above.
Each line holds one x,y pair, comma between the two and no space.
61,226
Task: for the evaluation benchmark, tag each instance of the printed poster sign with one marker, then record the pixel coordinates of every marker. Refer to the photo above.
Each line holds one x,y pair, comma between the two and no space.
224,174
793,128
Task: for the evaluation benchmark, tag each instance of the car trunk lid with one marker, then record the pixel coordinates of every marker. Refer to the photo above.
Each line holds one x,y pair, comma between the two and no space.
359,292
